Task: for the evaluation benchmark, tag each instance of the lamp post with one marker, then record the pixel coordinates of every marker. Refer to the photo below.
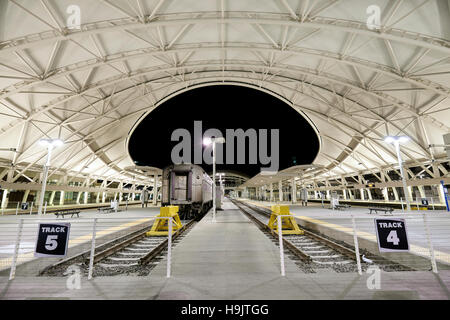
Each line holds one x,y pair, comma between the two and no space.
207,141
396,140
221,183
50,144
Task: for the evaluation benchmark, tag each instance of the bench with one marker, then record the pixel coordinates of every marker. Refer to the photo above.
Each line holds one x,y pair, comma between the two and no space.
383,209
66,212
105,210
342,206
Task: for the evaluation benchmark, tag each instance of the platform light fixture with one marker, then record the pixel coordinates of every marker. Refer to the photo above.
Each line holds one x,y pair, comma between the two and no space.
396,141
49,144
399,139
207,141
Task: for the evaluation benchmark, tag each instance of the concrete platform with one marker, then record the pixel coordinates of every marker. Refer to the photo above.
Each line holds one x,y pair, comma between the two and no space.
232,259
338,224
226,258
404,286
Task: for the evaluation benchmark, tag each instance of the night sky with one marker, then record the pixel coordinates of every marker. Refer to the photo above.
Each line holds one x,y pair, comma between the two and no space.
224,107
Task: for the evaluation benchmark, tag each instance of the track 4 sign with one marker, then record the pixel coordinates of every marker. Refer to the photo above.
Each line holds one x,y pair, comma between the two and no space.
391,235
52,240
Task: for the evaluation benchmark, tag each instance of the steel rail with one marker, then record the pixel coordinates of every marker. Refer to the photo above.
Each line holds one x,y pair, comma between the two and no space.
296,251
154,252
117,247
350,253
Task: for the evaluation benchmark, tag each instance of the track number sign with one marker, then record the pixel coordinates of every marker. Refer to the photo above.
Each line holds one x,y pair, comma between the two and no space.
52,240
391,235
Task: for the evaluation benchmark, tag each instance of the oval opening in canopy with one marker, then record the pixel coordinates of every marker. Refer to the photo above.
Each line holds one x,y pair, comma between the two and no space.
225,107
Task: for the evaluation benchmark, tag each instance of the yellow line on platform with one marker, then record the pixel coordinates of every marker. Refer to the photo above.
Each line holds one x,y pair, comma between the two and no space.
5,263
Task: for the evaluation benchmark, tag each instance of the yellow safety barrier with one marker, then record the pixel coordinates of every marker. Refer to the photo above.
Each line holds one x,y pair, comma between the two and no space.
288,224
420,208
161,226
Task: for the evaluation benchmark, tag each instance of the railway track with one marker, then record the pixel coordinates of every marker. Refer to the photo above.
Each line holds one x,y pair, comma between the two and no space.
137,254
316,250
308,247
83,255
132,253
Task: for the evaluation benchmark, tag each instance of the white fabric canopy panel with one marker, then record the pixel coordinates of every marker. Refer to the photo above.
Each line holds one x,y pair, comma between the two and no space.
89,84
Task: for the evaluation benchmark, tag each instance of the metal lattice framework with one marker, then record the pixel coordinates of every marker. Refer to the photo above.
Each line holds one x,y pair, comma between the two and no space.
90,85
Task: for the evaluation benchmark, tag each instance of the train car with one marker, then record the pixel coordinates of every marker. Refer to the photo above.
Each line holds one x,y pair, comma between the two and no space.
189,187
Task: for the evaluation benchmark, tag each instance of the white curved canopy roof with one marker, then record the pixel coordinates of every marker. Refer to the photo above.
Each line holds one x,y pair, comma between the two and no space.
89,86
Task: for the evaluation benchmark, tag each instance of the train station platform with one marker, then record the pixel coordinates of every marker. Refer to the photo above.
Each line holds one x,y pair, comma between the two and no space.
232,259
338,225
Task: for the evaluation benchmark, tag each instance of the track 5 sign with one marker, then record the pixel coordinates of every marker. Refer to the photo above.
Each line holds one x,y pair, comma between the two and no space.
52,240
391,235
